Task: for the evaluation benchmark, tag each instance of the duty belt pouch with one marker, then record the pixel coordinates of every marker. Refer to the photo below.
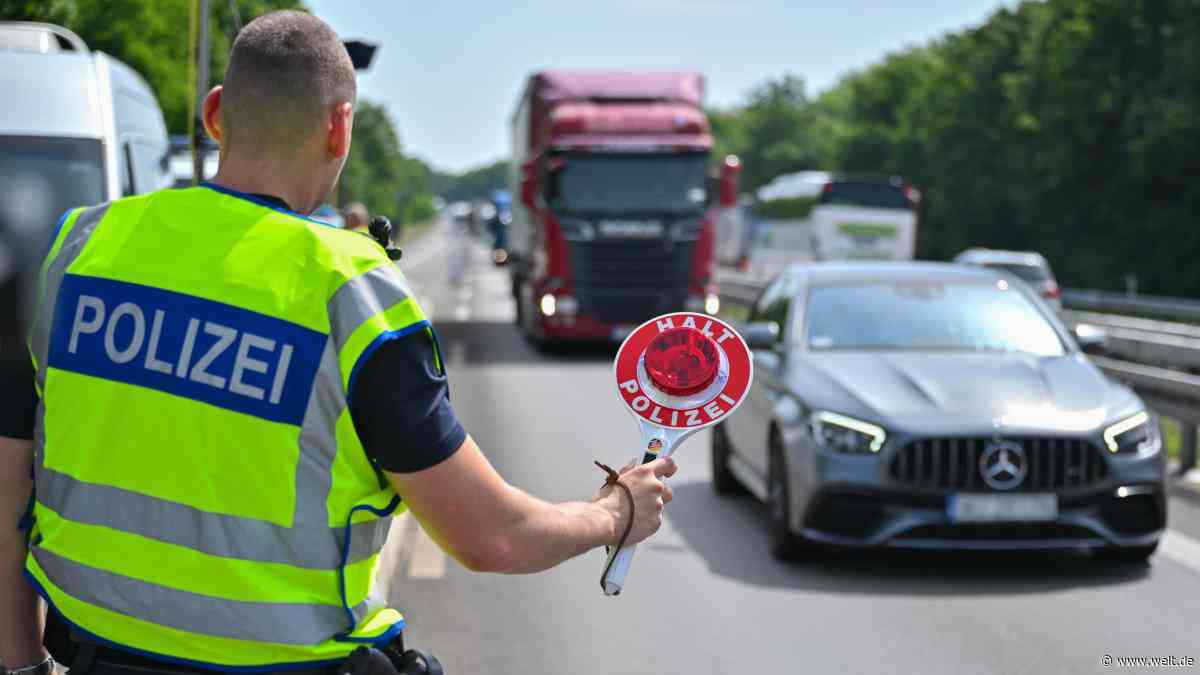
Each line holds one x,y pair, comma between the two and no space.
367,661
370,661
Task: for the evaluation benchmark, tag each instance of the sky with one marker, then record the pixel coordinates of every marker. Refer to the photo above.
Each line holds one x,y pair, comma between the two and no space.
450,71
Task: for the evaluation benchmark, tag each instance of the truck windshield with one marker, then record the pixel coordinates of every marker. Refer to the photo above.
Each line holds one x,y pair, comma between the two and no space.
624,183
40,178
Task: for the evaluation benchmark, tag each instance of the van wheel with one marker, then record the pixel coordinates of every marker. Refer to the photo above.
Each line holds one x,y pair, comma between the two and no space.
723,480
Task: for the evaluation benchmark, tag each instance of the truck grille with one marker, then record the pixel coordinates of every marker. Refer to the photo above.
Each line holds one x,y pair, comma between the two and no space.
953,463
630,281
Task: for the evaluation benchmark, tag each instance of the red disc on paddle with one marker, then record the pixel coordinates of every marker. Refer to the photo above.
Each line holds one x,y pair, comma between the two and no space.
683,371
682,361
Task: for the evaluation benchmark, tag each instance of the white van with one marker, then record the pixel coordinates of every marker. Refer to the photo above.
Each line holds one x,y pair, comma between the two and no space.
816,215
77,128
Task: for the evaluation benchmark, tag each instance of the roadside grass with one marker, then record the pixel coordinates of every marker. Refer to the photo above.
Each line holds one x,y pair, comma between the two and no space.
1172,437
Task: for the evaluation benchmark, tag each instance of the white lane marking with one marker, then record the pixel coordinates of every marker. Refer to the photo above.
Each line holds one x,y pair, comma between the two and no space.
1180,548
409,552
427,560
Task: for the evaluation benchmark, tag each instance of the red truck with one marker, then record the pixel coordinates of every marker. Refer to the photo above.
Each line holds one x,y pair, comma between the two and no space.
615,218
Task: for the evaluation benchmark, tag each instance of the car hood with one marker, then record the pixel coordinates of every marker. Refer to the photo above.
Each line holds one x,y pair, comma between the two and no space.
961,392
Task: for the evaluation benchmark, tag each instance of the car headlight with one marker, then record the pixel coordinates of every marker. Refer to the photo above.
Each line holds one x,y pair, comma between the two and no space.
1131,435
840,433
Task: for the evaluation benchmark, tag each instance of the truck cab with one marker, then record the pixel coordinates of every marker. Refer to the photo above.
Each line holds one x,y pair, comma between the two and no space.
613,224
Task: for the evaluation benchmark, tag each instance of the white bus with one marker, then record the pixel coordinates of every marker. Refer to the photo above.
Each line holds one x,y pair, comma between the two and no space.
817,215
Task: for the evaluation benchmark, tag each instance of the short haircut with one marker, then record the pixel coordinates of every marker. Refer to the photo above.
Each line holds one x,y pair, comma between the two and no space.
286,70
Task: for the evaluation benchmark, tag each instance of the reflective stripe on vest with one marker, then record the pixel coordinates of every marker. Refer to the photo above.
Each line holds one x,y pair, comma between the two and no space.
201,492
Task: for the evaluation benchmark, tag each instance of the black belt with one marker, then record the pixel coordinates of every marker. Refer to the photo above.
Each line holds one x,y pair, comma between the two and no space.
122,660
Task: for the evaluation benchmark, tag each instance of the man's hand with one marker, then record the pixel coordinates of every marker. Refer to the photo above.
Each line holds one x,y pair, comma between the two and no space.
650,496
490,526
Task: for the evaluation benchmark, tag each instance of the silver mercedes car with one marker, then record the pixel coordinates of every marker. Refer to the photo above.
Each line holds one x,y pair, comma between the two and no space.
926,405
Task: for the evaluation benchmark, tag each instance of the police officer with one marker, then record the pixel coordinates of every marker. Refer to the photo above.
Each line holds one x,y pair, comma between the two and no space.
357,217
220,383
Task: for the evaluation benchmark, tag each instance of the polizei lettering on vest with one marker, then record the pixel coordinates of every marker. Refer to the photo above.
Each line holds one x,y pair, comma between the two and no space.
184,345
90,318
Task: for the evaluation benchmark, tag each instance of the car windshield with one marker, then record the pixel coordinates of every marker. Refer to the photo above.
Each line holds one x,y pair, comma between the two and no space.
928,316
40,178
1027,273
624,183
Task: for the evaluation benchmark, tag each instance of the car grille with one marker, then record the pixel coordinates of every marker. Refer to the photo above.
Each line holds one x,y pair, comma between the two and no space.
630,281
953,463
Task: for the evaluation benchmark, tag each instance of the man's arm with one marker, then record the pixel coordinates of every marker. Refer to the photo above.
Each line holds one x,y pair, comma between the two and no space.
22,616
490,526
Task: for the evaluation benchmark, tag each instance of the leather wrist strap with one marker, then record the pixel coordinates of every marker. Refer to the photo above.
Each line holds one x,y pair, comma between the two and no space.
613,478
44,668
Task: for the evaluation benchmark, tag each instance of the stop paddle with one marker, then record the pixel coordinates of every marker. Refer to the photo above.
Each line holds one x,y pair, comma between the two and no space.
677,374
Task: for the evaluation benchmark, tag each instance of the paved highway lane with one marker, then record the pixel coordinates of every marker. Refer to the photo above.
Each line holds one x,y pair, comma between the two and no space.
704,595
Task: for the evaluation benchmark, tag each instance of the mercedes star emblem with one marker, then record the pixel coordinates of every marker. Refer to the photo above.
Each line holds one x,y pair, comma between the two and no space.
1003,465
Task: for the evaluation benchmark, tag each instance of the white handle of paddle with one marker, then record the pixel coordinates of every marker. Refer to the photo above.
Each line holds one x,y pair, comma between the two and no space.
622,558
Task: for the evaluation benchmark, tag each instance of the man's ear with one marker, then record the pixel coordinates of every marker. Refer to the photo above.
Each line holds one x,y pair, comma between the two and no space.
211,113
341,123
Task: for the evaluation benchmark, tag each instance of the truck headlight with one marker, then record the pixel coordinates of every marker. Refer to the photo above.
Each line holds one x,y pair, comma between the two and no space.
574,229
1132,434
847,435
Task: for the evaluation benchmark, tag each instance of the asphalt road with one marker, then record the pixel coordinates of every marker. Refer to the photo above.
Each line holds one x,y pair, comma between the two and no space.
705,596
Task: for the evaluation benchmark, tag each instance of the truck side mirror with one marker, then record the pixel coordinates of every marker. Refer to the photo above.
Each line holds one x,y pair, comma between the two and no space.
730,169
528,189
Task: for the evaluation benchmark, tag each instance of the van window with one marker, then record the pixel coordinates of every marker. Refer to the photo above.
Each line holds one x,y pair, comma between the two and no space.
125,169
872,195
147,161
40,178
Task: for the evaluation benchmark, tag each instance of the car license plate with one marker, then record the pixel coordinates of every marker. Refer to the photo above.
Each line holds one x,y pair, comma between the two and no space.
1001,508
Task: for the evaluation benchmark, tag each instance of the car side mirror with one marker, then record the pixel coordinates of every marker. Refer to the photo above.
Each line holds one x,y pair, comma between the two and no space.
1091,339
761,334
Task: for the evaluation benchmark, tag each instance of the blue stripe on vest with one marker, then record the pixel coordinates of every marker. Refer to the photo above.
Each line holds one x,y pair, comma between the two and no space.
184,345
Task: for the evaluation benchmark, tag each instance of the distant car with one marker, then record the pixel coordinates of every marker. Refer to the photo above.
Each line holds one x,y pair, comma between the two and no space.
1027,266
927,405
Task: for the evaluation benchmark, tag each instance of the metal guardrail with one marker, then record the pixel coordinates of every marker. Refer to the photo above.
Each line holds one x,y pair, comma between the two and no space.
1146,341
1186,309
1169,392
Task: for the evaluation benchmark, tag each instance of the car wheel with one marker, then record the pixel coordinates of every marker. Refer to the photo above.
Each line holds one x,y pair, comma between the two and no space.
785,544
1126,554
723,480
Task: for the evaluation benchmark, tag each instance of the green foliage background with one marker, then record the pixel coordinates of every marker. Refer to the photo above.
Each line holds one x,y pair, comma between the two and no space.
152,37
1071,127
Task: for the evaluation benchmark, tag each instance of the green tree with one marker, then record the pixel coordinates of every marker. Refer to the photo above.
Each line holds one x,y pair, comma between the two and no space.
150,36
377,172
1071,127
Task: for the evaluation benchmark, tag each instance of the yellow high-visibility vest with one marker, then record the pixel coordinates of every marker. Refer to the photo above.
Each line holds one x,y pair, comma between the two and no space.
201,493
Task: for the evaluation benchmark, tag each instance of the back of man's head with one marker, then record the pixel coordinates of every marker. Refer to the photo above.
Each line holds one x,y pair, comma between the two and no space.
286,72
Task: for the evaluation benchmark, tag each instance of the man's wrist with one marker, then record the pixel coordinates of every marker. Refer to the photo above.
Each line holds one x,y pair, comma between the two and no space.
44,666
611,511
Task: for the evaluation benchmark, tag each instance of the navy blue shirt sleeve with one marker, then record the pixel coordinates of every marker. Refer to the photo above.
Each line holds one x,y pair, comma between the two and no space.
402,410
20,396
